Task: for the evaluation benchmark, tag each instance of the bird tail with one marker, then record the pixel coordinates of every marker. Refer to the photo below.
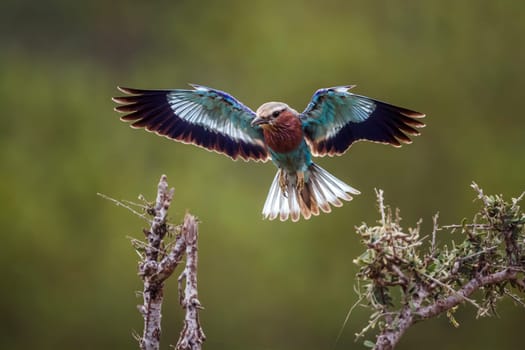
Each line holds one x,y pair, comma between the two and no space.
320,190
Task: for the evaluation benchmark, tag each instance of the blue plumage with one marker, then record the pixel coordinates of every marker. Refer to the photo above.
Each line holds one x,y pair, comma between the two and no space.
296,160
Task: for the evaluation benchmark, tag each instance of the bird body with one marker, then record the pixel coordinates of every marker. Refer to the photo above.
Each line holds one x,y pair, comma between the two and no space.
284,137
300,186
330,124
285,134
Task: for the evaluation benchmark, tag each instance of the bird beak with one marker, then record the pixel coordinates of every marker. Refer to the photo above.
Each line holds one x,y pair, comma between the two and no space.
259,121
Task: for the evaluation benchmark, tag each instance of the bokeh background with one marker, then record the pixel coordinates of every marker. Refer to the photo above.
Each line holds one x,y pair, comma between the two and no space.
68,270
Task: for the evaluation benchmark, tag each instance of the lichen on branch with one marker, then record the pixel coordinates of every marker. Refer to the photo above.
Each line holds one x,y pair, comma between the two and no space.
405,277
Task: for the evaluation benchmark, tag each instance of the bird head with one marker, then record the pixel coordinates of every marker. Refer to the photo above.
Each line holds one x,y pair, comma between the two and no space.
269,112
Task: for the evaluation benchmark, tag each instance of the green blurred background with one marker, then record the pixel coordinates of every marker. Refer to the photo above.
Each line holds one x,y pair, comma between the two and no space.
68,269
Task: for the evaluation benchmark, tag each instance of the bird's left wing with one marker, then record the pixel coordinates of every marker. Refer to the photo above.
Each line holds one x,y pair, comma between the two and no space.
335,119
205,117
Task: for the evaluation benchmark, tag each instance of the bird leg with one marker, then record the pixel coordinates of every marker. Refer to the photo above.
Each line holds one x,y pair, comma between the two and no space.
300,181
283,182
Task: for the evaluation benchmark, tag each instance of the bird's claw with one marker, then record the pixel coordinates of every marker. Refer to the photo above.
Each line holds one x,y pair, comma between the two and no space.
300,181
283,182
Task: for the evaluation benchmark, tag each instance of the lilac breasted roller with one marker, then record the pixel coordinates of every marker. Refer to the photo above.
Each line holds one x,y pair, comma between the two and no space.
333,120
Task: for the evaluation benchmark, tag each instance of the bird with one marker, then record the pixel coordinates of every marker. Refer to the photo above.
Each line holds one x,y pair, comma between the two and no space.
333,120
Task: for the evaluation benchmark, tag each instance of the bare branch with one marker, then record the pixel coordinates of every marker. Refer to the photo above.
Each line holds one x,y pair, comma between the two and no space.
158,262
463,294
153,294
192,335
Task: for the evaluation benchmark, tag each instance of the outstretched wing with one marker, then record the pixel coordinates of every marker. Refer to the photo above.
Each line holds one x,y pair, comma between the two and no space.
335,119
205,117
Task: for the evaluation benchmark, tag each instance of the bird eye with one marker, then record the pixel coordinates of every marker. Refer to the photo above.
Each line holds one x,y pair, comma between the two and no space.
275,114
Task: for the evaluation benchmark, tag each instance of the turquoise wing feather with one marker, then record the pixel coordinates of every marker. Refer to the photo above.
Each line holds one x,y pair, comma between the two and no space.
335,119
205,117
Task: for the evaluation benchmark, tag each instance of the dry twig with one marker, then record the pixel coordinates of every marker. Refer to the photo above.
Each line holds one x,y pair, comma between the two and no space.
158,262
491,258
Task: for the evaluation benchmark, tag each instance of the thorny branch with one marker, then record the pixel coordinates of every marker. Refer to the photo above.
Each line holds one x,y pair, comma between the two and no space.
192,335
153,293
491,258
158,262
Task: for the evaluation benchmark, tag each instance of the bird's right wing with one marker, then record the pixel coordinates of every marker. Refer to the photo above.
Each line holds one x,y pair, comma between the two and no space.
336,118
205,117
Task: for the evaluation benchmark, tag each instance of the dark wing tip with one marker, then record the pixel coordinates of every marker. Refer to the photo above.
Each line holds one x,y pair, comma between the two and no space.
407,116
126,90
414,123
403,111
121,99
411,114
125,100
126,108
131,91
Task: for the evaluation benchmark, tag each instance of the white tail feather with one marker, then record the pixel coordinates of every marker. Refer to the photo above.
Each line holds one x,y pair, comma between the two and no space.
321,190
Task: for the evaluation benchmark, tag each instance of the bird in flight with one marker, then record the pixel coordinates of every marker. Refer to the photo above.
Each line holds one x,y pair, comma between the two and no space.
333,120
